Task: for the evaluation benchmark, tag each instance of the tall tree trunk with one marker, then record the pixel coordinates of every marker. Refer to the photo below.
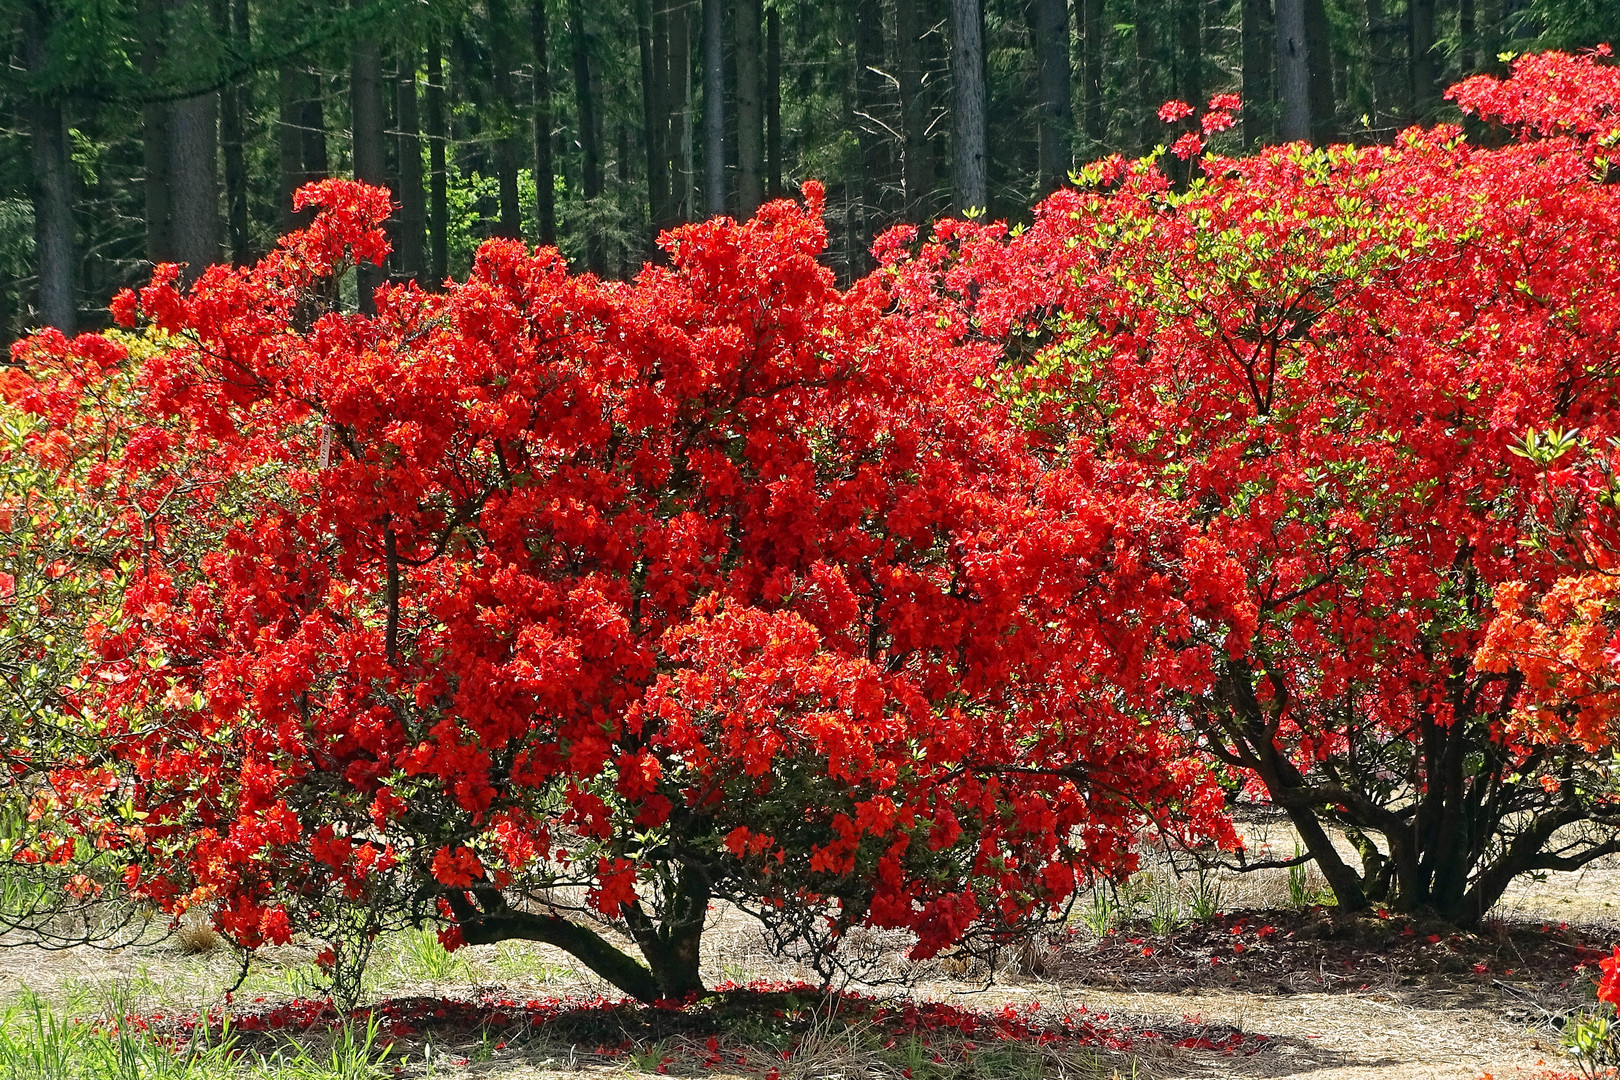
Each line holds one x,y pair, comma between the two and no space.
1190,70
869,82
1257,57
1149,91
714,108
750,111
236,105
1392,89
1491,17
545,192
1049,19
317,163
409,254
289,138
652,45
154,138
1319,58
773,103
506,150
681,203
916,162
1293,71
1468,38
366,148
1091,33
194,182
970,150
438,181
52,189
1420,30
590,138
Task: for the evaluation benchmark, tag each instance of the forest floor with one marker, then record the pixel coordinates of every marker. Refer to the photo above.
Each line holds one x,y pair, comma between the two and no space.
1273,985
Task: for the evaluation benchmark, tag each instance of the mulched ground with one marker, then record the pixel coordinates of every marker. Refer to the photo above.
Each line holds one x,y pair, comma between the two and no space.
1319,949
758,1030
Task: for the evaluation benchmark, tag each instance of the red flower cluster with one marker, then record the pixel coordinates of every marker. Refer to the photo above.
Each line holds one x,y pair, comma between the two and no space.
717,583
1300,382
906,605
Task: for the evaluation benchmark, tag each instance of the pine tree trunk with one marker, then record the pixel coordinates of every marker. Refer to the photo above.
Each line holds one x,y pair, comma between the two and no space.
970,150
1490,35
154,138
869,86
714,108
317,163
236,105
590,138
1293,71
366,148
506,150
773,103
1391,91
681,203
1468,38
289,139
1149,91
1420,30
545,192
409,254
1257,58
652,46
194,182
1319,59
916,162
1190,71
1091,32
438,181
750,111
1049,22
52,189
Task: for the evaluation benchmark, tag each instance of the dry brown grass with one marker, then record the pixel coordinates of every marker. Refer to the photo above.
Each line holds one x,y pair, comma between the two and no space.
195,937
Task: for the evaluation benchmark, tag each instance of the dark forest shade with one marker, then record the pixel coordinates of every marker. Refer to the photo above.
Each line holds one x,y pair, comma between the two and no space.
182,131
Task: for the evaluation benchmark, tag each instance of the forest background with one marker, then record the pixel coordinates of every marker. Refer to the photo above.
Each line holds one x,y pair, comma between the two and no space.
134,132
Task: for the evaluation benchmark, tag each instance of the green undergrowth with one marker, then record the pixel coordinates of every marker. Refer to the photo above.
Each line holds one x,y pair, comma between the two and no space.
41,1041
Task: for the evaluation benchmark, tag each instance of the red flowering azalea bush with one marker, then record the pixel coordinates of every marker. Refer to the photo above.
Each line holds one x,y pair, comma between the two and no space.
547,603
1313,365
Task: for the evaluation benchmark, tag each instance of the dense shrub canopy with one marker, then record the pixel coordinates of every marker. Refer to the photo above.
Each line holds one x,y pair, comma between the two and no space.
1316,363
547,599
544,603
